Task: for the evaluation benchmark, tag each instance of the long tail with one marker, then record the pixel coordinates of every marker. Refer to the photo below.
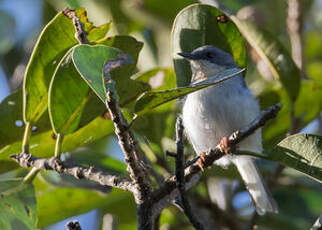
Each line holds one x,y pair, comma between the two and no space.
262,198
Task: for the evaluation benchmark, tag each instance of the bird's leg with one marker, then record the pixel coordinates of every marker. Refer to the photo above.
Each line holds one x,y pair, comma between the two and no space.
224,145
201,161
224,148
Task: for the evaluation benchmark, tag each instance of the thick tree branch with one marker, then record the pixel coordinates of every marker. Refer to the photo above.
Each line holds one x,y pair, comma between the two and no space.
169,185
79,172
135,166
128,146
180,176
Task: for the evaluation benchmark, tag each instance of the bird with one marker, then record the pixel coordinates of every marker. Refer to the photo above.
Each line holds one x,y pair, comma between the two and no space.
211,114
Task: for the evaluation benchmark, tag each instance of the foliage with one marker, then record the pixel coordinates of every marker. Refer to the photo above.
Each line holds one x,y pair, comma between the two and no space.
64,94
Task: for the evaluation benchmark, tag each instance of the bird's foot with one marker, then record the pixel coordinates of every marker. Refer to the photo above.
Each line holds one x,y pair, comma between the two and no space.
224,146
201,161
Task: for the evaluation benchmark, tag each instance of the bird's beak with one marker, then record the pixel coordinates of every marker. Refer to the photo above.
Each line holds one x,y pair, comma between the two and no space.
188,56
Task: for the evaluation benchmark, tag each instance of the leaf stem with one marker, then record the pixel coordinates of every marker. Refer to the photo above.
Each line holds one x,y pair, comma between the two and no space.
26,137
59,142
30,176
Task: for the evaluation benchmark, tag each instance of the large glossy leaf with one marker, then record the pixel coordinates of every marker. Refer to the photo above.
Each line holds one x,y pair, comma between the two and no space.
198,25
152,99
302,152
274,54
54,41
89,62
18,205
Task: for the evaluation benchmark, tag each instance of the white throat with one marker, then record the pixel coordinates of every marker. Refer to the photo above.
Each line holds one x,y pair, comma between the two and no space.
202,69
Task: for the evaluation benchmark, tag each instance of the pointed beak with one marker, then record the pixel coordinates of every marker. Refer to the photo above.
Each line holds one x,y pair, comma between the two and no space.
188,56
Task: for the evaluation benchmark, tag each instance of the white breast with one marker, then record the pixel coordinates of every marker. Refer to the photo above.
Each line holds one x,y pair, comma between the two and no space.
217,111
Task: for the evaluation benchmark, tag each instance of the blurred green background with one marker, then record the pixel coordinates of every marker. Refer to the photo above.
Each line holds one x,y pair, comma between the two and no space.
150,21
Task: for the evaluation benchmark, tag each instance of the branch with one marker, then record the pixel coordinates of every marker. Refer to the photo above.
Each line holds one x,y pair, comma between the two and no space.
128,146
79,172
169,185
180,176
80,33
135,166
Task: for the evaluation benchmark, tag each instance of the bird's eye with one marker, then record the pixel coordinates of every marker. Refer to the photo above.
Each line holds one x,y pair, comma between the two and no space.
209,55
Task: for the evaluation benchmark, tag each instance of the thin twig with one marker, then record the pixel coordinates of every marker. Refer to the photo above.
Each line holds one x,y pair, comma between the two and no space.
80,33
169,185
180,176
79,172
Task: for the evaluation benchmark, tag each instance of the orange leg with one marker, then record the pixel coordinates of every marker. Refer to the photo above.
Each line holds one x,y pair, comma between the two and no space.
201,161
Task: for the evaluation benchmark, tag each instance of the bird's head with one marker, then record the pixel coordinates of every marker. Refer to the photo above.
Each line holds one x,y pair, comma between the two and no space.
207,61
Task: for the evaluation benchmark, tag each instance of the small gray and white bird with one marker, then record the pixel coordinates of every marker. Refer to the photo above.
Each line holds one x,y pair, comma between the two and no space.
217,111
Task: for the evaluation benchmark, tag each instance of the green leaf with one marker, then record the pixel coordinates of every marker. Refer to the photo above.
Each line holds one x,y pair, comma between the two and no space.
274,54
89,62
151,99
18,205
122,75
42,142
69,97
54,41
157,124
302,152
198,25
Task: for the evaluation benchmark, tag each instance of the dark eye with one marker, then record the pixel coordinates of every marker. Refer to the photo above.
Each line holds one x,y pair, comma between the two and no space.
209,55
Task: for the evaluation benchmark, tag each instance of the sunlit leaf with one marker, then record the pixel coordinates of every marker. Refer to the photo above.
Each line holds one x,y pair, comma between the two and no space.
54,41
69,98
